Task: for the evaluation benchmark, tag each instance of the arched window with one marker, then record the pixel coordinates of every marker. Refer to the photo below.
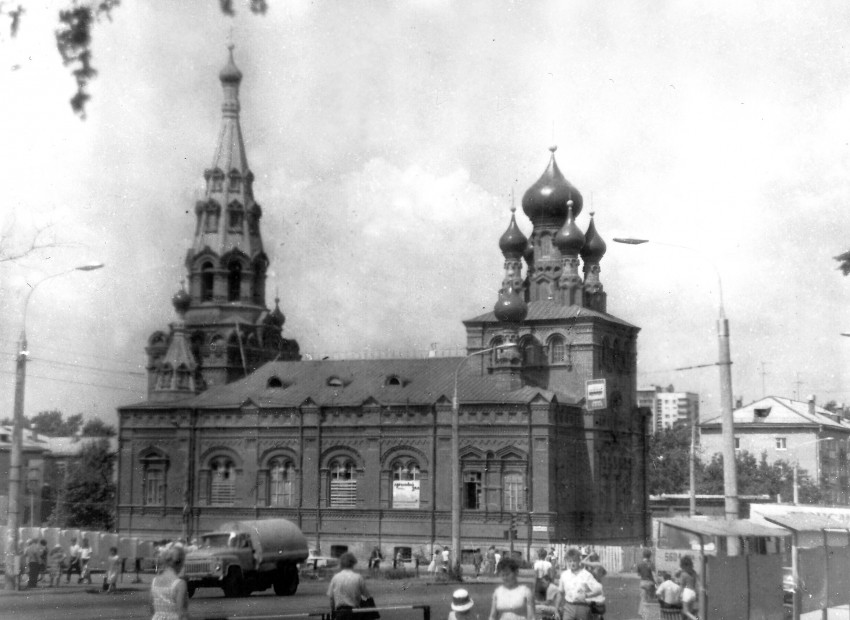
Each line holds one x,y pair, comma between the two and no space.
234,281
532,352
557,350
234,180
405,484
222,482
183,377
545,245
513,492
343,487
207,281
154,468
281,483
406,471
274,382
213,213
235,218
166,376
217,179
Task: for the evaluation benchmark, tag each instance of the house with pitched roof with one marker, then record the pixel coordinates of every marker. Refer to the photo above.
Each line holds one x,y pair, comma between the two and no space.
793,431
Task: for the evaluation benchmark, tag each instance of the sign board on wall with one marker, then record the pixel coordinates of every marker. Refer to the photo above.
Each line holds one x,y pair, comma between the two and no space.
596,394
405,494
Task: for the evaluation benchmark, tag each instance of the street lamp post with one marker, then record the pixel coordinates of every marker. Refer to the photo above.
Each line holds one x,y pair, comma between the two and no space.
724,361
456,456
13,513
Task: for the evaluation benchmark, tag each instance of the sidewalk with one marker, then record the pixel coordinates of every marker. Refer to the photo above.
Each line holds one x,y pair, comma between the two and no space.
95,587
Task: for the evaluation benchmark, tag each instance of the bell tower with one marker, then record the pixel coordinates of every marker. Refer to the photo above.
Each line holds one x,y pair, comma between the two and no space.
224,323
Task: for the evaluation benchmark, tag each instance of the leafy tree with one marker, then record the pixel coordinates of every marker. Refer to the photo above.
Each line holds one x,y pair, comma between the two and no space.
98,428
844,262
74,35
669,451
86,499
758,477
52,424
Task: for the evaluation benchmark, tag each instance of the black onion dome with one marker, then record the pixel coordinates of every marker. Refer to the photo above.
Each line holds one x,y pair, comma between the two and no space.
513,243
510,308
569,239
181,301
549,195
594,246
276,317
231,72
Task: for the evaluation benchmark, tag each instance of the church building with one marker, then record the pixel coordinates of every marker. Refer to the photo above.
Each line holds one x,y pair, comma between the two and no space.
358,452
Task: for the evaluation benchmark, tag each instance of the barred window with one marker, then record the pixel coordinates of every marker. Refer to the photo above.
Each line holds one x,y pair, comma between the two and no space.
406,471
223,482
343,484
472,490
557,350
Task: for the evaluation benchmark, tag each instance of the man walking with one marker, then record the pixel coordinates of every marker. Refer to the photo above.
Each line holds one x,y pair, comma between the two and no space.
32,556
73,559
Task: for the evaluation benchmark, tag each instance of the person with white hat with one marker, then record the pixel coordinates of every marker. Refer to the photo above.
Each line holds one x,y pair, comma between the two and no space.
462,605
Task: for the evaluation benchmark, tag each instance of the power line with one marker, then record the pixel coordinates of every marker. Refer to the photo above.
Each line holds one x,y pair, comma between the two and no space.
95,368
113,360
101,385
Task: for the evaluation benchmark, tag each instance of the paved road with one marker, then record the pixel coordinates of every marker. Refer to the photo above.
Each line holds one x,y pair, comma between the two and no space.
82,602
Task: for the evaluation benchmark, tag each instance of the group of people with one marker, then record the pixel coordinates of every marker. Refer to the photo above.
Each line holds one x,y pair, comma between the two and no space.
574,594
677,591
39,561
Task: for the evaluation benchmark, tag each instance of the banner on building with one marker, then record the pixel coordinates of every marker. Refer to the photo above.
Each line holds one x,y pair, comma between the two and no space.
595,394
405,494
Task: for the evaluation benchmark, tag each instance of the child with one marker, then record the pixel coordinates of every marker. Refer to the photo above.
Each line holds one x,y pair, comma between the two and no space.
54,565
113,568
461,606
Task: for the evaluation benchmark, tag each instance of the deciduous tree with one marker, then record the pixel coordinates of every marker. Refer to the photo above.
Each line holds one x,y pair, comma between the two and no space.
86,499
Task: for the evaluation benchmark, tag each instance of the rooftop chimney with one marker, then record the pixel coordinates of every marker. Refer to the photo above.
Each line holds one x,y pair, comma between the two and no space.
811,404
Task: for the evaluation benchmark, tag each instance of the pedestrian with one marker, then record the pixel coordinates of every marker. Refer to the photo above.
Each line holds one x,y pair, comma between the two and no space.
597,602
669,592
542,567
511,600
169,595
113,569
74,560
347,589
432,567
32,557
398,562
43,551
688,581
477,560
85,557
497,557
462,605
375,559
489,567
575,587
55,559
445,563
646,573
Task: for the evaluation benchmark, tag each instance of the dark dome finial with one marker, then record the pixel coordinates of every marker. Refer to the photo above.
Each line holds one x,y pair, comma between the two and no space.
548,196
231,72
569,239
594,246
181,300
513,242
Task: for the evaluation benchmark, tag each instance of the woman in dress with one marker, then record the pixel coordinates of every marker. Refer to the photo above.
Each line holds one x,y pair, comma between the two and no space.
169,597
511,600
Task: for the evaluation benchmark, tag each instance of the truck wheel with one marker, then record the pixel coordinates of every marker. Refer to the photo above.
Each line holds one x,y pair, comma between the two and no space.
190,590
233,585
286,581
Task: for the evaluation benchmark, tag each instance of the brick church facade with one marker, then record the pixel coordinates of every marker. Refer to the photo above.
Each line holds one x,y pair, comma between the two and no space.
358,452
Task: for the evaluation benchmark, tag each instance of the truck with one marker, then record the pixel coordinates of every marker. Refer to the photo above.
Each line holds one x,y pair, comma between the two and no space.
242,557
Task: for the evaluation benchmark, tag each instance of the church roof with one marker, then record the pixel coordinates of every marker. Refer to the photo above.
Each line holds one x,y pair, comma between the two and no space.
547,310
351,383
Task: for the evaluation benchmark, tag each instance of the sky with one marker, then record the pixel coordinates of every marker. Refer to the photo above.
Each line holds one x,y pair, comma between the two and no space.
387,140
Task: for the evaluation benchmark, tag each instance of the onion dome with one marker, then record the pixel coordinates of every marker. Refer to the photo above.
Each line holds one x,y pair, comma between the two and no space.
569,239
276,317
510,308
181,301
513,243
549,195
594,247
231,72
